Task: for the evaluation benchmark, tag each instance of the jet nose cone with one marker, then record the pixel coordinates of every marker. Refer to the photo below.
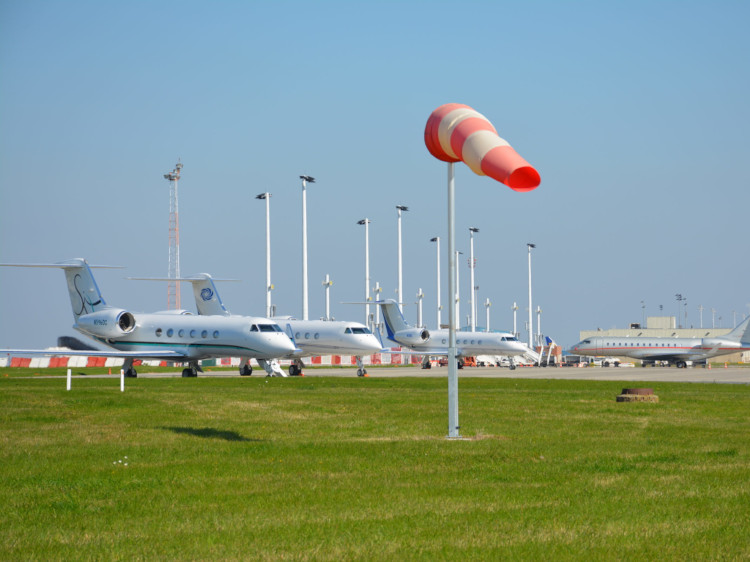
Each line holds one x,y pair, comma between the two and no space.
281,344
372,344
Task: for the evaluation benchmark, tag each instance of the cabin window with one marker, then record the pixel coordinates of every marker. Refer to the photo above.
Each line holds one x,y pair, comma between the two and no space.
307,335
444,342
181,333
192,333
297,336
317,335
480,342
170,333
158,332
216,334
204,334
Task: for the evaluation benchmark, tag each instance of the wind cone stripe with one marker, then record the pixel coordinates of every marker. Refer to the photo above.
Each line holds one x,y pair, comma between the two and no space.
457,132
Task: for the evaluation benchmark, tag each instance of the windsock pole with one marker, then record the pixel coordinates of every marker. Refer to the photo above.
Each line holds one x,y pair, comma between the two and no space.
453,427
455,132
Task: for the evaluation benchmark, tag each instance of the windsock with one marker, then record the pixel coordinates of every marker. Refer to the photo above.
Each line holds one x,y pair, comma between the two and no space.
456,132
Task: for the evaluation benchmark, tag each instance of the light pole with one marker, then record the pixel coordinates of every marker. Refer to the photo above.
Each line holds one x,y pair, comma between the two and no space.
643,307
679,298
305,181
514,308
439,308
472,265
420,296
457,296
539,325
400,271
487,305
377,290
327,284
700,310
269,287
531,327
366,223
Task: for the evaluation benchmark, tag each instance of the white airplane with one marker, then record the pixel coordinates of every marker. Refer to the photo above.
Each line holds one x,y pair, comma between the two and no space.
675,351
171,335
468,344
313,337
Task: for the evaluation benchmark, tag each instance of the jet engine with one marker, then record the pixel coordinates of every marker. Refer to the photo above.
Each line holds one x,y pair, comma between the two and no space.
108,323
413,336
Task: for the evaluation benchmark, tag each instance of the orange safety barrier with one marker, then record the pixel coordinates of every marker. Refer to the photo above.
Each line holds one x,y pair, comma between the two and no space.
58,361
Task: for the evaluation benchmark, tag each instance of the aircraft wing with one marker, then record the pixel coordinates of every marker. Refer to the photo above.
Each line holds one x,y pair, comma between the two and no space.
666,356
437,352
171,355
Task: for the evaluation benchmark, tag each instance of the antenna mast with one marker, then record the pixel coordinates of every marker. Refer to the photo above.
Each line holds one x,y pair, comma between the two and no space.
173,287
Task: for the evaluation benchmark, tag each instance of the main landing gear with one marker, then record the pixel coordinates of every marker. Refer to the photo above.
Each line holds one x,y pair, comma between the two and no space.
295,369
245,368
128,368
191,370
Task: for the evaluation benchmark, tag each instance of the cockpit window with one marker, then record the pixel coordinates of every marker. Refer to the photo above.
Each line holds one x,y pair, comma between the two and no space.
356,330
269,328
586,341
254,328
348,331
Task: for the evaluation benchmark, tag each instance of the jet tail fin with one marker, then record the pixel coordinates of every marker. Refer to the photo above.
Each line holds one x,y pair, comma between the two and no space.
394,319
741,332
85,296
207,299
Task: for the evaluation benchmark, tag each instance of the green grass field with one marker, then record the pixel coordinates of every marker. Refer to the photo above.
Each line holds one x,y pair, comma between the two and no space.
349,468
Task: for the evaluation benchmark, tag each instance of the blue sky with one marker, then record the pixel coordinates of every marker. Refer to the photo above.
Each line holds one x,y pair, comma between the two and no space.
634,113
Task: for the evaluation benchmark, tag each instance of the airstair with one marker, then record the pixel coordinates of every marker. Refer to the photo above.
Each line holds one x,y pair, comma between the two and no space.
531,356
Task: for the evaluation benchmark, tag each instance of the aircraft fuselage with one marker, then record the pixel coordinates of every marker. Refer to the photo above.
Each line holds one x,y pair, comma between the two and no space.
196,337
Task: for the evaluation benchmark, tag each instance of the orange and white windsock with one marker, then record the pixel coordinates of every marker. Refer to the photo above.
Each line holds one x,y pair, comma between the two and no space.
456,132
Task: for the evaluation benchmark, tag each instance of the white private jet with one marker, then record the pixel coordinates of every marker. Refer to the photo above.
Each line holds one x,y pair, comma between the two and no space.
677,351
429,343
313,337
171,335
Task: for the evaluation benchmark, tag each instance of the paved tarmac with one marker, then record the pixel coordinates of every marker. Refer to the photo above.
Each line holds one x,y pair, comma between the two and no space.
731,375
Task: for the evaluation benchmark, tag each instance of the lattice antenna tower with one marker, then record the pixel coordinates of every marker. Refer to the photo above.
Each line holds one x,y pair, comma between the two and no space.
173,287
